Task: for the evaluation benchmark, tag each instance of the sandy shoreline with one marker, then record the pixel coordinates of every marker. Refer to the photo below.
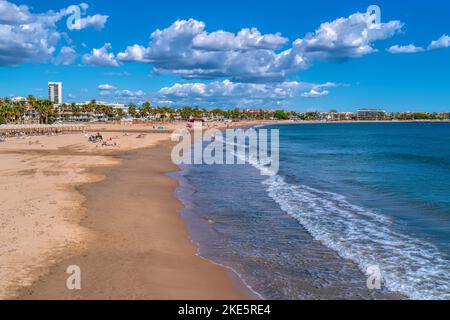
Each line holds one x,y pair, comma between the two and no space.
141,247
40,209
110,210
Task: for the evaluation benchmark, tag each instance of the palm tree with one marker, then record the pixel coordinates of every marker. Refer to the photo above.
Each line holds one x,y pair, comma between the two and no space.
45,109
87,108
91,106
76,110
31,100
18,111
120,113
109,112
146,110
99,109
6,111
189,112
132,110
64,111
144,113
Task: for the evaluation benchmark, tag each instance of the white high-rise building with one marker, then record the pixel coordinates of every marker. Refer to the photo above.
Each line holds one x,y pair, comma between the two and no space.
55,92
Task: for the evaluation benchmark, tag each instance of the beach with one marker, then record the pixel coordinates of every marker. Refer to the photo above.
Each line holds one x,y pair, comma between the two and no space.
110,210
140,227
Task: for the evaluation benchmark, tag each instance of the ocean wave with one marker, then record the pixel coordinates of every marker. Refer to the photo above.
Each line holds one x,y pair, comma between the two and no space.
408,265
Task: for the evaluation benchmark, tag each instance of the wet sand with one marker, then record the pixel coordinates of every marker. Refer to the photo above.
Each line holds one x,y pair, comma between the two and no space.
140,248
125,231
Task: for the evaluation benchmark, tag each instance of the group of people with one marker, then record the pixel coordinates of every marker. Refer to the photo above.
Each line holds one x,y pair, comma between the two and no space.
98,138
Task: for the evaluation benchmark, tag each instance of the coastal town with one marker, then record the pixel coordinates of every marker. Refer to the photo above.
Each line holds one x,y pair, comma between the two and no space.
31,110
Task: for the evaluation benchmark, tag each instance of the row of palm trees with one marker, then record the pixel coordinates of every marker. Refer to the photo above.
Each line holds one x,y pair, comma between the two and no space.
74,110
45,112
15,111
11,111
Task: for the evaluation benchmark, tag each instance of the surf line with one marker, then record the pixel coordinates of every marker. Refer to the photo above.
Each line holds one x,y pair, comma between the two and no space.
235,148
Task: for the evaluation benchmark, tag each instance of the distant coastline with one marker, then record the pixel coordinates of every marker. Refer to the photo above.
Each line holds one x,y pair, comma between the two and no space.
31,110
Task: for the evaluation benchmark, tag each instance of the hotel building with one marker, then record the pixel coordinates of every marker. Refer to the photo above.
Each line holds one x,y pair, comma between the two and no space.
371,115
55,92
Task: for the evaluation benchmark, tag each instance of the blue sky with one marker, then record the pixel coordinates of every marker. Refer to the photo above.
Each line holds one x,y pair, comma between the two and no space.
300,57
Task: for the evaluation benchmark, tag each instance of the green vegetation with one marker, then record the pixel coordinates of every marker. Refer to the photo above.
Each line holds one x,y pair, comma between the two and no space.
281,115
43,111
421,116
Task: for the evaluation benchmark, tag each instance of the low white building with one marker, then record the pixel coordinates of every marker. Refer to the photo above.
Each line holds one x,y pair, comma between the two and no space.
19,99
110,104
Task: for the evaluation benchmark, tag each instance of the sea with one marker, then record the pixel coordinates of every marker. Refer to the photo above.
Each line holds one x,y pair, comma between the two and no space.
348,199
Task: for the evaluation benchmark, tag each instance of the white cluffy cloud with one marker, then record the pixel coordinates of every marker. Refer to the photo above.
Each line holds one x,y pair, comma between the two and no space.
27,37
411,48
106,87
97,21
66,56
246,39
222,93
185,48
441,43
124,95
108,90
313,93
129,94
11,14
101,57
346,38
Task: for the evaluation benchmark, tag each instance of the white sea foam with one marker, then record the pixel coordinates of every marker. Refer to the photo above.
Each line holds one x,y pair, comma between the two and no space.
409,266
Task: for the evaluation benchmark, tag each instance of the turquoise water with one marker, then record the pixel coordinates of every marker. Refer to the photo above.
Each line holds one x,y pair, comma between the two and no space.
347,196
